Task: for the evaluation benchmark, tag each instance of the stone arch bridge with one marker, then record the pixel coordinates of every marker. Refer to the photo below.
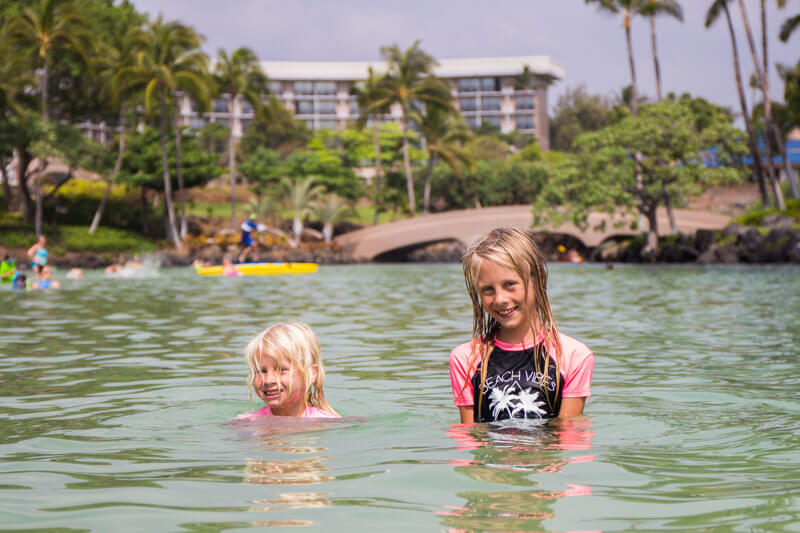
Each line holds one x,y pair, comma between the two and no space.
465,225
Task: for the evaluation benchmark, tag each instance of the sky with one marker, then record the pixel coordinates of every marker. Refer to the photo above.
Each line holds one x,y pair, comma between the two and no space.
587,43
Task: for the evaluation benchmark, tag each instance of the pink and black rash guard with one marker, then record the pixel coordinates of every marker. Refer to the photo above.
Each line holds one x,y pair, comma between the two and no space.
516,386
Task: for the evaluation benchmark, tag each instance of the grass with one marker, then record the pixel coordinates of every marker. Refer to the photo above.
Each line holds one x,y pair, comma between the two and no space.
63,238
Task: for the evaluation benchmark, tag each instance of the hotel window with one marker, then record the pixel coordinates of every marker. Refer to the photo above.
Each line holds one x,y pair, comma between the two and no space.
194,105
524,102
247,107
468,104
354,108
326,107
275,88
490,84
328,124
494,121
197,123
304,107
303,87
468,85
245,123
325,87
472,122
524,122
220,105
490,103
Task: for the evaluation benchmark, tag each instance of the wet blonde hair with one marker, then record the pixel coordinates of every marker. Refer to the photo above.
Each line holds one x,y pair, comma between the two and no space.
294,345
516,250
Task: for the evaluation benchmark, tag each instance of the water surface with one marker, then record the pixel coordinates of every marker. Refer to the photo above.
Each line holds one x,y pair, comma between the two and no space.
115,395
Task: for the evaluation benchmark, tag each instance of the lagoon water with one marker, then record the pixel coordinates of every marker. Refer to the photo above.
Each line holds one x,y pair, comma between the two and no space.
115,392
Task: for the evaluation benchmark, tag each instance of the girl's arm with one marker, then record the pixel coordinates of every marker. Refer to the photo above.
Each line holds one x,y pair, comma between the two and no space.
569,407
468,414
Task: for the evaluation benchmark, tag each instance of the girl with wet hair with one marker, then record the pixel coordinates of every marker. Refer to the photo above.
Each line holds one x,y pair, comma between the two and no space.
517,365
286,373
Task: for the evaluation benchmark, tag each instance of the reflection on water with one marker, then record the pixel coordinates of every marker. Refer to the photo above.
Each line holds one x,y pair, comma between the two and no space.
508,453
117,397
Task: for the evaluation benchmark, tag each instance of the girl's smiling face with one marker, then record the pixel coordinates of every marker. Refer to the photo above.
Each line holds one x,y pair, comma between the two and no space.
279,386
502,294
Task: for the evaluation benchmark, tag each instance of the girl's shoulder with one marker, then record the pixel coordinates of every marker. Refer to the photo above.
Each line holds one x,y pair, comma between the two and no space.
573,351
462,353
316,412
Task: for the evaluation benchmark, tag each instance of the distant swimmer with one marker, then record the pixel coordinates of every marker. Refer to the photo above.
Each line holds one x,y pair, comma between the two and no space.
45,280
8,267
246,241
75,273
38,255
228,268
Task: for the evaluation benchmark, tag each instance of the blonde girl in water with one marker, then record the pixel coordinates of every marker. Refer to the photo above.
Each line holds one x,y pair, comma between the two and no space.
286,373
517,365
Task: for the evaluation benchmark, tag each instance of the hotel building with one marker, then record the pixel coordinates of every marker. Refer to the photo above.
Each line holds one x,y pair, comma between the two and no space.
485,90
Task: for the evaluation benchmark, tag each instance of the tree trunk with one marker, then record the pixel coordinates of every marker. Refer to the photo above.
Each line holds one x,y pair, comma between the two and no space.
231,168
6,186
297,229
651,246
38,187
172,232
179,169
634,89
655,57
145,213
412,203
45,82
769,119
426,193
751,139
377,171
327,231
673,227
117,167
23,162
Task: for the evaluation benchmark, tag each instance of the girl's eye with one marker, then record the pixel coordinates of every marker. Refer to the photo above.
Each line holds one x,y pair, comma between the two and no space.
284,370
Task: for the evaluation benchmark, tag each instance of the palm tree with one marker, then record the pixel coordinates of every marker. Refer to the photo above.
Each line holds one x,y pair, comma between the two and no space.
331,209
652,9
239,74
788,27
409,83
768,116
773,125
369,92
301,193
718,7
44,28
172,61
445,136
629,8
127,42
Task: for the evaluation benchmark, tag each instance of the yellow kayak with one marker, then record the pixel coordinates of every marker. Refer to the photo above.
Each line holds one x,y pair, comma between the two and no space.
262,269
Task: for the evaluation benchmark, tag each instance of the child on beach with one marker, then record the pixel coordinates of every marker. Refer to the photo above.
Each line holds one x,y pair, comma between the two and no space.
286,373
517,364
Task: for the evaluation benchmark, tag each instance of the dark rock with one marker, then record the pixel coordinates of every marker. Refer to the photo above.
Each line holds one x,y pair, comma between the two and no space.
733,230
704,239
751,239
440,252
726,255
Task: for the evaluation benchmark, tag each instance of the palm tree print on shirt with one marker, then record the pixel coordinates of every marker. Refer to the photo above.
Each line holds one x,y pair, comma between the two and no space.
516,405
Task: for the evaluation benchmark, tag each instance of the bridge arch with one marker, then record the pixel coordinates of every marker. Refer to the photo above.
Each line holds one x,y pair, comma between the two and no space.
466,225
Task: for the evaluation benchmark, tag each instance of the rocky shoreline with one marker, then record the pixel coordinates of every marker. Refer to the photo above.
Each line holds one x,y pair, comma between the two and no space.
777,240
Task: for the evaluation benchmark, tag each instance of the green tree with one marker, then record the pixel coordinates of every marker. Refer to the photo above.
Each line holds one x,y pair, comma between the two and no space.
652,9
274,127
663,145
42,29
410,84
577,111
301,194
445,135
171,62
126,43
329,210
369,95
263,170
717,8
629,9
235,75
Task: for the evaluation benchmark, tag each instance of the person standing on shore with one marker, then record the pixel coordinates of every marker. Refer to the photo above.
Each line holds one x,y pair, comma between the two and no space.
246,242
38,255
